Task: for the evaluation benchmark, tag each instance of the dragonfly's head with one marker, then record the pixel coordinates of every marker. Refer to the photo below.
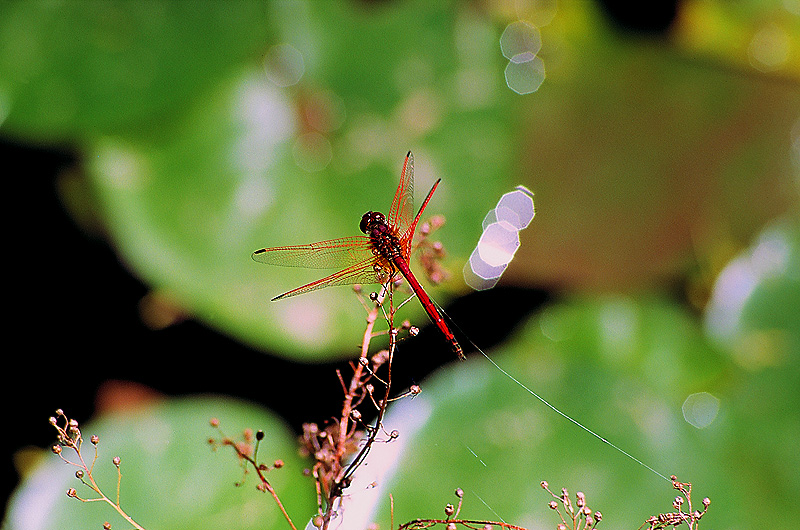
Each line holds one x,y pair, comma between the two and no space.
371,220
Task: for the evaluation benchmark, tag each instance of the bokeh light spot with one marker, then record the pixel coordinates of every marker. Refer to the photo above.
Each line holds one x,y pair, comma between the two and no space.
520,42
284,65
519,203
769,48
498,244
700,409
525,77
312,152
500,239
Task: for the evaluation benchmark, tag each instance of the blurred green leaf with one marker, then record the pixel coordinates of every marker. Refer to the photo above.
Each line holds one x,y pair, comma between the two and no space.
623,367
251,165
171,478
72,70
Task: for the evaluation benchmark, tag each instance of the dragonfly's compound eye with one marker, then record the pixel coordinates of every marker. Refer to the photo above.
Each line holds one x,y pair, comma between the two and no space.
365,221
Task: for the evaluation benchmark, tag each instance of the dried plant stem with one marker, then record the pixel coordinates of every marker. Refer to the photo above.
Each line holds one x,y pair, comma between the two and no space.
70,436
355,391
469,523
265,485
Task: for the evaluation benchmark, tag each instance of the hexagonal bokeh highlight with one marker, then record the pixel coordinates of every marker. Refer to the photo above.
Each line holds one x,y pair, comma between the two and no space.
520,42
500,239
525,77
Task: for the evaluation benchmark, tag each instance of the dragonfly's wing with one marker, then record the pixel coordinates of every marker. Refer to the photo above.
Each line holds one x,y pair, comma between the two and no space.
363,272
351,254
407,237
402,210
331,254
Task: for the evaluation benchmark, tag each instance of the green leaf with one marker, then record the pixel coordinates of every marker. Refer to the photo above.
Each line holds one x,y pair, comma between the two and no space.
250,165
622,367
171,477
77,69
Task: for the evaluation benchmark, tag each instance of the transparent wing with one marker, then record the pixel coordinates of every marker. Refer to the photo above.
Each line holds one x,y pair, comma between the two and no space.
331,254
363,272
408,236
402,210
352,254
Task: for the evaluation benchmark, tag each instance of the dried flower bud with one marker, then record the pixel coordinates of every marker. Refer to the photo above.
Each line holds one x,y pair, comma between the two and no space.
449,510
79,474
52,421
706,502
580,499
553,505
259,435
72,493
561,526
56,449
459,493
355,414
117,461
278,464
59,412
413,331
95,439
598,516
106,526
214,422
544,484
451,526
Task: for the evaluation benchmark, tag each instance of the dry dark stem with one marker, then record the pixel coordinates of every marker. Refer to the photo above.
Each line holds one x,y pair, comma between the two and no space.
243,453
356,392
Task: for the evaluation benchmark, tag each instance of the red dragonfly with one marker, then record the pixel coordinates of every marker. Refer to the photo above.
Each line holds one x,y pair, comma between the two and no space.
375,258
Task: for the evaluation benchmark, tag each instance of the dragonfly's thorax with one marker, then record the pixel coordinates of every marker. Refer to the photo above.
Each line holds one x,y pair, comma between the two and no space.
385,242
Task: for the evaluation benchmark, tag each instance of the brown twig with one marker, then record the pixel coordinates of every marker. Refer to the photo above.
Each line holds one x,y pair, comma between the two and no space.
243,451
356,392
69,436
691,516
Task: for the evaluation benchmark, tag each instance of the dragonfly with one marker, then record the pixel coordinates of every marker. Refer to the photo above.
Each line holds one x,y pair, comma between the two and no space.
380,256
